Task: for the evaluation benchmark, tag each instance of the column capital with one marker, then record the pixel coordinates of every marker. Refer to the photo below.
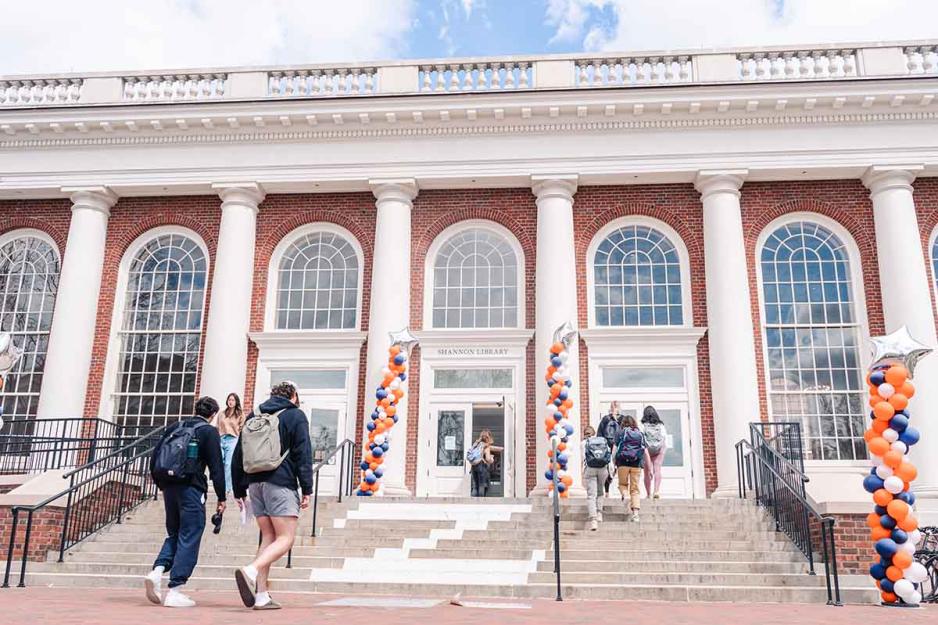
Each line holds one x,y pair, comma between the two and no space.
884,177
100,199
709,181
402,190
555,185
240,193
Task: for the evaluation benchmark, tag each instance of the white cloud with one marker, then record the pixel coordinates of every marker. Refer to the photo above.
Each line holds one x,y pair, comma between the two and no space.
634,25
40,36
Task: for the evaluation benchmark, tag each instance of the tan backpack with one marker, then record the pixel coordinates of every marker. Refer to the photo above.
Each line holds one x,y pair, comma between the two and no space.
260,443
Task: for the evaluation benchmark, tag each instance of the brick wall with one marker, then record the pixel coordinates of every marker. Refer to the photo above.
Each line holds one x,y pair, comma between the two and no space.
926,205
854,547
45,535
49,216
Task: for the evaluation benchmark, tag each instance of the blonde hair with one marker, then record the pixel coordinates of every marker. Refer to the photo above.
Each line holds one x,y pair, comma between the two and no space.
486,437
589,432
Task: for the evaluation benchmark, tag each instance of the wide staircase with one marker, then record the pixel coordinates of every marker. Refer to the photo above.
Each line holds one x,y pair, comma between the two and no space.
680,550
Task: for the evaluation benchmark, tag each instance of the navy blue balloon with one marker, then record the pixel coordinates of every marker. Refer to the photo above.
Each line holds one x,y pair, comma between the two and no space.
400,359
377,452
877,378
375,415
556,361
381,393
557,402
363,466
371,479
877,571
384,446
403,377
907,496
395,418
558,416
569,430
887,521
569,382
899,536
371,426
549,475
372,446
379,473
561,487
562,458
886,585
910,436
880,510
563,395
905,413
886,547
899,423
367,493
872,483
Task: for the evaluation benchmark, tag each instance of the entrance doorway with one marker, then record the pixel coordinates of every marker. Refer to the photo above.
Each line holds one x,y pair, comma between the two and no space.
677,473
453,430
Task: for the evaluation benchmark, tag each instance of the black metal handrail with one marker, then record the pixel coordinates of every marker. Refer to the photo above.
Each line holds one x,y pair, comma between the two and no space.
927,555
345,482
121,477
782,436
556,505
779,486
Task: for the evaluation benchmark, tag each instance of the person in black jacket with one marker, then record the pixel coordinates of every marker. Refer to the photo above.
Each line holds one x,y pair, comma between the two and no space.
184,503
273,494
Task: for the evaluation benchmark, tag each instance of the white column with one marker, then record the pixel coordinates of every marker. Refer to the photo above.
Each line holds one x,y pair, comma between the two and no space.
224,363
733,381
555,304
390,311
71,337
906,298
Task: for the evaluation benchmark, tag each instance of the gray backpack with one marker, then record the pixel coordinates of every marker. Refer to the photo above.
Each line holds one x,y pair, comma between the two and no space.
260,443
654,437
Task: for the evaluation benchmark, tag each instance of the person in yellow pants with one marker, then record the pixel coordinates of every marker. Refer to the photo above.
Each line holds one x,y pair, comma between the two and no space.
630,455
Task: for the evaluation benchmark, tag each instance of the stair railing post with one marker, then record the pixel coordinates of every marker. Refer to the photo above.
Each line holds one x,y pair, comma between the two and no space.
68,517
29,529
14,513
556,498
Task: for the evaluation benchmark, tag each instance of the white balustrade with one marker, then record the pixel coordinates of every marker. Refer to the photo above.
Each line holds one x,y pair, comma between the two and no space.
922,59
343,81
628,71
40,91
797,64
174,87
475,76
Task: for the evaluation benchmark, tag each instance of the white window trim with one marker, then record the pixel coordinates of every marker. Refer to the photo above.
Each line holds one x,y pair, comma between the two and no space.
111,367
683,260
859,302
932,274
443,237
273,273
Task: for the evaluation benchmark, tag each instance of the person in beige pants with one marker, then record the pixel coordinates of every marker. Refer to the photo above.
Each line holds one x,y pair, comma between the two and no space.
630,455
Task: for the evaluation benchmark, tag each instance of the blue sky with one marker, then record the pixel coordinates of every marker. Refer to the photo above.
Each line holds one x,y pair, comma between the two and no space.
43,36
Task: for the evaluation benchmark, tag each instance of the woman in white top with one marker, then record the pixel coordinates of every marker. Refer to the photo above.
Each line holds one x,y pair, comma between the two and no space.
656,437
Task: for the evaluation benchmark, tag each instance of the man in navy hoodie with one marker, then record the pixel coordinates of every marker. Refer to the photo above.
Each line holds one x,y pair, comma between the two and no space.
273,494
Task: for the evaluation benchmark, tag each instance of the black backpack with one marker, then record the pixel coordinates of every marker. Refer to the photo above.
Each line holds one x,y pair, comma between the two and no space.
172,463
631,448
598,454
609,429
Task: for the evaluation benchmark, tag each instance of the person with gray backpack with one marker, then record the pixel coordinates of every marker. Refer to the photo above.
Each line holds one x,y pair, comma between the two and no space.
656,437
631,455
596,458
272,461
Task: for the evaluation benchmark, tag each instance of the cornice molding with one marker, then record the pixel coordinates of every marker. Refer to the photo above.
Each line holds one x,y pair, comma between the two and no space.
879,178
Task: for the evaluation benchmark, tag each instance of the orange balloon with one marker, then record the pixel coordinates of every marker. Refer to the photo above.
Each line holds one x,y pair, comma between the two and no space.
892,459
897,509
883,410
380,427
880,532
898,401
372,465
398,393
907,389
880,426
875,399
908,524
385,402
882,497
567,480
395,350
872,520
879,446
870,434
568,403
902,559
906,472
897,375
550,453
894,573
557,347
874,391
391,411
889,597
561,447
549,423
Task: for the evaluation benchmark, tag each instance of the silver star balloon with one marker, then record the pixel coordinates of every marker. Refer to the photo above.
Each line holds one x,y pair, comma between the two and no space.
404,338
898,347
9,354
565,334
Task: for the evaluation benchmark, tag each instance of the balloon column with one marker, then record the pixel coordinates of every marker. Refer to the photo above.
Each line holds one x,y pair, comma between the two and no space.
893,525
9,355
556,423
388,396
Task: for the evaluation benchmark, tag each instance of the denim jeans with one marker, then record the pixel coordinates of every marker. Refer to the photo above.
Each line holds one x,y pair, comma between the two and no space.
185,522
228,444
481,479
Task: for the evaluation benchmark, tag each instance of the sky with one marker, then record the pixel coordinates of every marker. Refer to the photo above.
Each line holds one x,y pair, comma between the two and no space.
49,36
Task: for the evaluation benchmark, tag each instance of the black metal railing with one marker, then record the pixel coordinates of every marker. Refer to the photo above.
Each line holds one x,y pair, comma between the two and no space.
98,494
345,478
556,510
778,485
30,446
927,555
783,436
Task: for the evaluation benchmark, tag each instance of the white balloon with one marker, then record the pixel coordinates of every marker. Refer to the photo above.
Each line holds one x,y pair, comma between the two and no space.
876,461
908,548
903,588
916,573
886,390
395,383
385,372
562,370
379,439
915,598
900,447
893,484
883,471
554,440
890,435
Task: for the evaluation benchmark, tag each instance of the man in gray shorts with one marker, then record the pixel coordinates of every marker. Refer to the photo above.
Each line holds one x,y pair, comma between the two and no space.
274,494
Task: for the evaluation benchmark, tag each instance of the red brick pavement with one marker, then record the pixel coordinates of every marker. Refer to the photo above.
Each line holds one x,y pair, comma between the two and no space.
99,607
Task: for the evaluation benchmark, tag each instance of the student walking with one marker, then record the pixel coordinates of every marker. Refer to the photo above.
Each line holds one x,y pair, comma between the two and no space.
656,439
481,457
630,457
178,467
229,423
273,458
609,429
596,458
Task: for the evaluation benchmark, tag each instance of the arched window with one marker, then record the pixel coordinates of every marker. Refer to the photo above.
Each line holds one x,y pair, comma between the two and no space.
637,279
161,331
318,283
29,279
475,281
812,339
934,257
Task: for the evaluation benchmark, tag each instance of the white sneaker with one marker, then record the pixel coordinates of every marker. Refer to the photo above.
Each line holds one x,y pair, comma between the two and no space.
594,525
175,599
152,582
599,517
635,517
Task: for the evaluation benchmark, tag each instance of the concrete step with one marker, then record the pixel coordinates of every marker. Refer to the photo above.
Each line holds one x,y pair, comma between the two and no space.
590,555
649,543
680,578
153,548
631,532
202,570
648,565
228,558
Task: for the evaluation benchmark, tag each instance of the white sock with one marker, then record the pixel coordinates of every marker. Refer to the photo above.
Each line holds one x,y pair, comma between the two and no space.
262,598
251,571
159,570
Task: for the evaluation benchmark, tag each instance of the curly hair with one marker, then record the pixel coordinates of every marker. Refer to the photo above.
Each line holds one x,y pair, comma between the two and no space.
285,389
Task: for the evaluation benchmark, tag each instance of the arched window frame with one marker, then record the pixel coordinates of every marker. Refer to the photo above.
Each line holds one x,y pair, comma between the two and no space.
273,273
859,302
112,365
445,236
22,233
683,260
932,260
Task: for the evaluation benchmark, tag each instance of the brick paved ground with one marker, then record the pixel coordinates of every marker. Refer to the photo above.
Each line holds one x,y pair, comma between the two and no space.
99,607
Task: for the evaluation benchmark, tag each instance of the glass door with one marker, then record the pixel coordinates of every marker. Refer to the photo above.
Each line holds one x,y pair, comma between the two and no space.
450,429
326,429
677,473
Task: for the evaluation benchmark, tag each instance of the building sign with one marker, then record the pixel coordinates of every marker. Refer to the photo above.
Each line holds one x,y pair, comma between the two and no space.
472,351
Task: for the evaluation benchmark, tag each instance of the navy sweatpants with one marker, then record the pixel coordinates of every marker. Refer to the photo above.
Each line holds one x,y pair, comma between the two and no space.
185,522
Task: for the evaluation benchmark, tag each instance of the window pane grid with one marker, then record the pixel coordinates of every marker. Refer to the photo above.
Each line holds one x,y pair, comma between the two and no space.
475,282
318,284
161,332
637,279
29,278
811,339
